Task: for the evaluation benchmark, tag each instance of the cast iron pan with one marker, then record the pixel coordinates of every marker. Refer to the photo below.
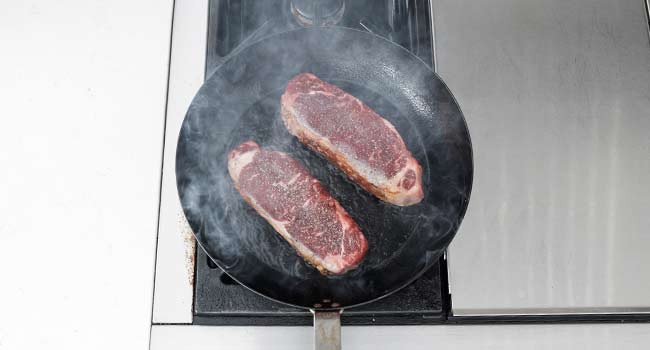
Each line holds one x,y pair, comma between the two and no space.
241,101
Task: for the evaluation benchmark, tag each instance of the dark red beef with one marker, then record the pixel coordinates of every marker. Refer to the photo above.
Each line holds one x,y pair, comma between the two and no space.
298,207
350,134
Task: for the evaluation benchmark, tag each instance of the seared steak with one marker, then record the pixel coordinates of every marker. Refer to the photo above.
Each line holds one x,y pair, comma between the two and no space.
298,207
365,146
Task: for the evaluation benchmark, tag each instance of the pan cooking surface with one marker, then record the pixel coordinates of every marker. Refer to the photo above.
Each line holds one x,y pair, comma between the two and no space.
241,102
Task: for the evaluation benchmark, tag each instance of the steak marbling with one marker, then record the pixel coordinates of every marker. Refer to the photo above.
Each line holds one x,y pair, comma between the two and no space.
365,146
281,190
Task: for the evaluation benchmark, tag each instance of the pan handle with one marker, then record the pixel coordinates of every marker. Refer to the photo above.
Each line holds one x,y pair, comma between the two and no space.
327,330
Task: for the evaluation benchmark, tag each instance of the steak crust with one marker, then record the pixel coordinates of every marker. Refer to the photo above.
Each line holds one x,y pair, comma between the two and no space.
298,207
348,133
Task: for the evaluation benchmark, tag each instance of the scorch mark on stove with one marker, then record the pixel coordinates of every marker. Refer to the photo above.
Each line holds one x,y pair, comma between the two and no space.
190,247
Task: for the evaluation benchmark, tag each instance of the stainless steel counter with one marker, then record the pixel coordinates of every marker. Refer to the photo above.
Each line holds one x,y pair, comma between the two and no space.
557,97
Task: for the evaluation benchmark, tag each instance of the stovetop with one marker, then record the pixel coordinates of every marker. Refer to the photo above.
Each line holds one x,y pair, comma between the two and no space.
235,24
219,300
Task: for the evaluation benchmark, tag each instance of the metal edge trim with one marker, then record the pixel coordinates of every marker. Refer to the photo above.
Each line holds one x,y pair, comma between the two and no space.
434,57
647,17
553,312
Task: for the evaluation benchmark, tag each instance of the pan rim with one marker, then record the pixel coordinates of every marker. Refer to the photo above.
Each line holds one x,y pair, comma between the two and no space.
462,208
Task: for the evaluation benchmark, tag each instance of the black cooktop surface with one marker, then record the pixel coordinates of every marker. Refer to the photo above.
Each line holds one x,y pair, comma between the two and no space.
233,25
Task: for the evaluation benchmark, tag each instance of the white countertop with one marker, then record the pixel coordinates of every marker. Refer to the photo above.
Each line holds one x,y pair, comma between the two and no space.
495,337
83,86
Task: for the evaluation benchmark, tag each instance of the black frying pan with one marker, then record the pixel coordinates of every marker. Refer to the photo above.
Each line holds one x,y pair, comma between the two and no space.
241,101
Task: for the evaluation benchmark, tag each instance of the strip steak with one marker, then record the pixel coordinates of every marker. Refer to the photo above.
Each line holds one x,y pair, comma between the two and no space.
298,207
349,134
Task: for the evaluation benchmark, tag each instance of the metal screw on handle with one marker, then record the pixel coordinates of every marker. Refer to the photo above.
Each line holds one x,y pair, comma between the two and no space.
327,330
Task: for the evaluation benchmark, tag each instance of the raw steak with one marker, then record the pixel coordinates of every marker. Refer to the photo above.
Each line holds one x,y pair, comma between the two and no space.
348,133
298,207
